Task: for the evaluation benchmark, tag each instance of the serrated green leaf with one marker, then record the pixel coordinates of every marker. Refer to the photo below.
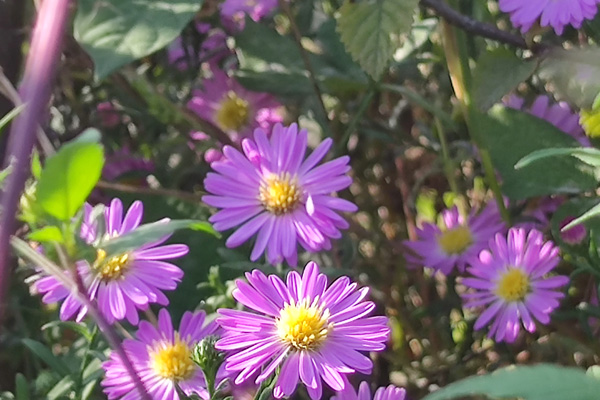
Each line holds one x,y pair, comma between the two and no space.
370,30
540,382
44,353
47,234
68,178
116,32
149,233
511,135
498,72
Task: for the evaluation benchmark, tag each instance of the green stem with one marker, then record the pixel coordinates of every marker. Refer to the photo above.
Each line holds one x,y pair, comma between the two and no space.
362,108
84,362
460,75
448,164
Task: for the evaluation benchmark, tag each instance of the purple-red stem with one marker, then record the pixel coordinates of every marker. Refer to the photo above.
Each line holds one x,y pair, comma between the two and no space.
35,90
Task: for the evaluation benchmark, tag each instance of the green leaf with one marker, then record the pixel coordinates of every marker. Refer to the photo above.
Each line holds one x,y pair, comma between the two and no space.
574,208
589,214
574,74
60,390
47,234
588,155
149,233
540,382
21,388
46,355
116,32
4,174
510,135
68,178
498,72
370,30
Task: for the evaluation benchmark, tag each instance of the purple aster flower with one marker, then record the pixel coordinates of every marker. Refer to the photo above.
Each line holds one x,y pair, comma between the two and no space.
554,13
121,284
311,331
558,114
162,358
572,236
511,280
271,189
456,242
237,111
233,12
390,392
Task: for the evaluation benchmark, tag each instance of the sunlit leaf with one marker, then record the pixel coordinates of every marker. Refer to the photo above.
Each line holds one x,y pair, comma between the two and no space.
116,32
68,178
371,30
540,382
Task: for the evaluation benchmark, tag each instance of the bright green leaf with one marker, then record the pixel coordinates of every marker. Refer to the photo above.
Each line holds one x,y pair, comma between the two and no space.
588,155
540,382
150,233
498,72
44,353
510,135
116,32
370,30
47,234
68,178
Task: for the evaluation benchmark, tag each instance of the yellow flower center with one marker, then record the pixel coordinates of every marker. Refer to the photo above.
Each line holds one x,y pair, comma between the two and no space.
456,240
513,285
590,121
114,267
233,112
303,326
173,361
280,194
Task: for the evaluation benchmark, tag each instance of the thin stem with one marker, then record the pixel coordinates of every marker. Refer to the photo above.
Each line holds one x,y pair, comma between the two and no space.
458,68
470,25
122,187
362,108
284,5
80,294
35,92
448,164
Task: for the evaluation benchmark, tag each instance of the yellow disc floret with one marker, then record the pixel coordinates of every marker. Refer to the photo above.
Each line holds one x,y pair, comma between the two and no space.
280,194
233,112
112,268
303,326
455,240
173,360
513,285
